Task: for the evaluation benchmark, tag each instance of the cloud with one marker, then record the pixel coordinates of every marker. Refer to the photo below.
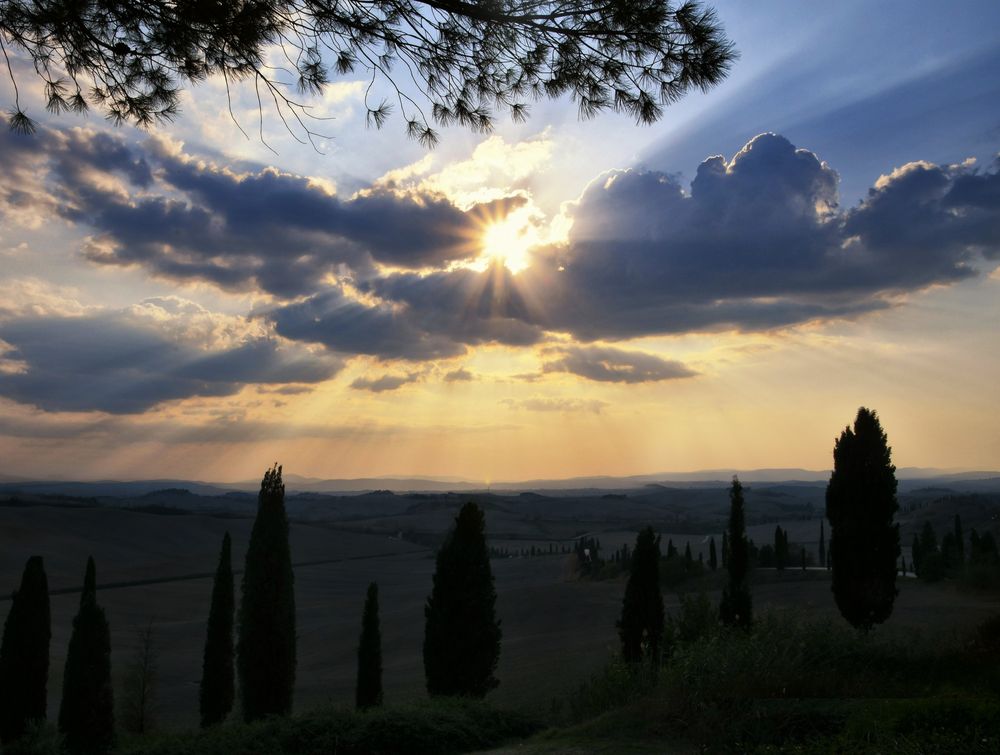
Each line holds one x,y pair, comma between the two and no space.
569,405
460,375
115,362
153,206
385,382
610,365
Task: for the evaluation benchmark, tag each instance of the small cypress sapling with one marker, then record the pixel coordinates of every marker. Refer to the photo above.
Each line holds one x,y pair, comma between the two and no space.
86,715
24,654
713,560
368,692
688,560
217,689
915,554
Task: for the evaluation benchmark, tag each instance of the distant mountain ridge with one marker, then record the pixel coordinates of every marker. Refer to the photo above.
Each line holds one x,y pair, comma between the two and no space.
910,478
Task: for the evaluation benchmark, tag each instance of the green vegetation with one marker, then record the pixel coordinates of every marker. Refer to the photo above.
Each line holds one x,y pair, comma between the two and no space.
86,716
215,696
794,685
462,633
439,726
369,687
641,625
860,505
24,654
736,608
265,651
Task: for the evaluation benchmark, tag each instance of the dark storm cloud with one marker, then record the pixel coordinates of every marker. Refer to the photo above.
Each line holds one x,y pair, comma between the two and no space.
759,242
108,363
190,220
610,365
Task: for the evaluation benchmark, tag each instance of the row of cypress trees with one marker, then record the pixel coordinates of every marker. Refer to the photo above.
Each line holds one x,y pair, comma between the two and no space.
864,547
86,711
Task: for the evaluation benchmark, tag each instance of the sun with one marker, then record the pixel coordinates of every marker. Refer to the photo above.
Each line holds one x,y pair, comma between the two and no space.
509,240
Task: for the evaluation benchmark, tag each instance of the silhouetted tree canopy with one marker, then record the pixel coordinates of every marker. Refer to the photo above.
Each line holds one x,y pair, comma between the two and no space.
265,652
736,606
368,691
641,625
445,60
462,633
217,673
24,654
860,506
86,715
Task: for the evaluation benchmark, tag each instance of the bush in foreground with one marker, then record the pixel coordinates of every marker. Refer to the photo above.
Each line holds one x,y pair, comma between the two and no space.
438,727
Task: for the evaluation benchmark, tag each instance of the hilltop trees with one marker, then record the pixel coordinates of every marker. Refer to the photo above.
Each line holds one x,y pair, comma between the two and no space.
86,715
217,675
860,506
24,654
462,634
368,692
736,607
464,59
265,652
641,625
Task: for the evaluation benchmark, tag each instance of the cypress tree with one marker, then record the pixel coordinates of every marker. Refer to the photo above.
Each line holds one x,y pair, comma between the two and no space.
462,634
713,560
864,540
822,544
86,715
24,654
671,550
736,607
959,541
779,549
369,688
641,625
803,559
688,560
265,651
217,673
915,554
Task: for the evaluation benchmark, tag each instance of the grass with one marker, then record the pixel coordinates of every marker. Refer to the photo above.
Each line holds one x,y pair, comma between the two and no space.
795,685
436,727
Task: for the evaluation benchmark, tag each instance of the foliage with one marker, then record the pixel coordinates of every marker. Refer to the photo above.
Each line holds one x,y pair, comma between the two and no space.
138,701
265,651
696,618
462,634
860,506
86,715
713,558
675,571
436,727
369,687
464,59
736,607
640,628
24,654
217,690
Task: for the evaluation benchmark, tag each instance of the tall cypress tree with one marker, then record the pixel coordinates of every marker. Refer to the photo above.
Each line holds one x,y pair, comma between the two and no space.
86,715
959,541
864,540
779,549
641,625
24,653
713,559
217,673
265,651
462,634
736,607
368,692
688,560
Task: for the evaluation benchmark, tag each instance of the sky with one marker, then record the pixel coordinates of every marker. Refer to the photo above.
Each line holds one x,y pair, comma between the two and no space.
719,290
